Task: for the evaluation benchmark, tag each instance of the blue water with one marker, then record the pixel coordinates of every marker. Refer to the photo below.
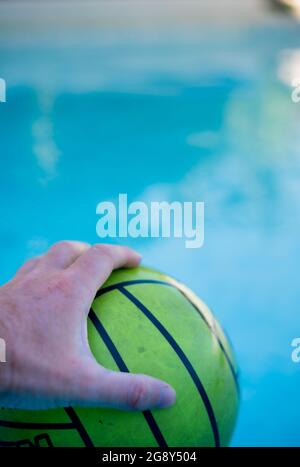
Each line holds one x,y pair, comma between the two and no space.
188,116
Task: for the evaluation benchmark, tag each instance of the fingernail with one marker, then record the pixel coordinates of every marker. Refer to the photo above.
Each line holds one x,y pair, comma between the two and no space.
167,397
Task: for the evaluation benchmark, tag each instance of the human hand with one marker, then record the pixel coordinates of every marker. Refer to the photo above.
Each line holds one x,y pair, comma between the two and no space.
43,319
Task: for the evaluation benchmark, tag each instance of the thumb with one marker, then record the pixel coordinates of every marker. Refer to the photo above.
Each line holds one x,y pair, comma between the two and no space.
126,391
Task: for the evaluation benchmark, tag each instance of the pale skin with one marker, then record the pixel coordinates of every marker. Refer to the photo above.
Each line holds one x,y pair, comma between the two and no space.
43,320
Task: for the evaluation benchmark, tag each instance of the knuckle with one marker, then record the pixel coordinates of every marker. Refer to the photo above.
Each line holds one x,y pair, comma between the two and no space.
105,251
31,262
62,285
61,246
136,395
27,284
27,267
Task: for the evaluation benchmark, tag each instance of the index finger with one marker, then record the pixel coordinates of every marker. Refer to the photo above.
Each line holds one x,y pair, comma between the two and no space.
93,267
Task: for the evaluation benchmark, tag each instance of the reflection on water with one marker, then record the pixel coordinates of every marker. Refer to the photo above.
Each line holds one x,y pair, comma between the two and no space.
200,117
44,146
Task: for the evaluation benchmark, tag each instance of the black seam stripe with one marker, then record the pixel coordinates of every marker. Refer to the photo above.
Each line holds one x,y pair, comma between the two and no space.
75,425
184,359
8,443
38,426
79,426
122,367
228,359
109,288
117,286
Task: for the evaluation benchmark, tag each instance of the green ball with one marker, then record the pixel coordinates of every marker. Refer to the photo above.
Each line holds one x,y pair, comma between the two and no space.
143,321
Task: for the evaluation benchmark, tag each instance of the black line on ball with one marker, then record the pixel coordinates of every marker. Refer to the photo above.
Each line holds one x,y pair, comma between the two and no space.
122,367
37,426
8,443
184,359
112,287
79,426
109,288
228,359
74,425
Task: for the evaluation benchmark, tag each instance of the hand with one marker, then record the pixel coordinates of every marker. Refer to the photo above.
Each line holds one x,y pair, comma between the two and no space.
43,318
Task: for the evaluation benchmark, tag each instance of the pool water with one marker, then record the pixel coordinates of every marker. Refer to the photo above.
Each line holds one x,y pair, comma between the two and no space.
186,116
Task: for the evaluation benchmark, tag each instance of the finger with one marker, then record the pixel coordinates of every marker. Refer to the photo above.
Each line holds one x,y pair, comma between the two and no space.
93,267
27,267
63,254
126,391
